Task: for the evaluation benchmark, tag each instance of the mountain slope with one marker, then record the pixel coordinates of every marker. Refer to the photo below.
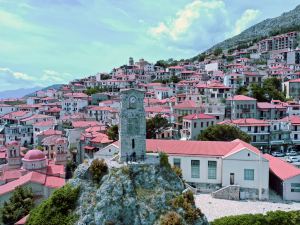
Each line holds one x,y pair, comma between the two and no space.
263,29
18,93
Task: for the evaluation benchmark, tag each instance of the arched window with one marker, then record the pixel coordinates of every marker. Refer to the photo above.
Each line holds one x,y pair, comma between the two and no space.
132,143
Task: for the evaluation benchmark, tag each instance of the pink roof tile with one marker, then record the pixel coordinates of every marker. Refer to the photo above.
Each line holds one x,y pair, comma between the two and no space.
240,98
34,177
246,122
282,169
198,116
206,148
54,182
22,221
186,104
83,124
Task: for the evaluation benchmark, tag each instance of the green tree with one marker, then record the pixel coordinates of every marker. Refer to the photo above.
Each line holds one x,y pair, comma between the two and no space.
57,209
18,206
218,51
223,132
174,79
154,125
113,132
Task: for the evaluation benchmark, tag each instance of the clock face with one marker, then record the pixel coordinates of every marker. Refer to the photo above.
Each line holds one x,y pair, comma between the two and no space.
132,99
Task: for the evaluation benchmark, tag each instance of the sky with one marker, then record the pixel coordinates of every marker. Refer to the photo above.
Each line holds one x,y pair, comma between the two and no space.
44,42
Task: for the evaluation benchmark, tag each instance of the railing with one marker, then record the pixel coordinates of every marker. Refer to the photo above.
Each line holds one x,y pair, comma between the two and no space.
189,187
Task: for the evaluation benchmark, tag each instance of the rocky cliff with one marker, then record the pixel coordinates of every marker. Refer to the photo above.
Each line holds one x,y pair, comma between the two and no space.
134,195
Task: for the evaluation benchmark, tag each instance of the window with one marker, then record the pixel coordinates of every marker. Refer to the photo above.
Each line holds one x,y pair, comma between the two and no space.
248,174
212,170
295,136
195,166
177,162
295,187
195,124
132,143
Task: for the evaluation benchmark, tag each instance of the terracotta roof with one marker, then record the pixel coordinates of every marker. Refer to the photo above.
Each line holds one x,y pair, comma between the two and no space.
295,120
282,169
205,148
186,104
101,138
294,81
83,124
50,132
76,95
55,170
267,105
33,176
54,182
198,116
44,123
22,221
240,98
34,154
246,122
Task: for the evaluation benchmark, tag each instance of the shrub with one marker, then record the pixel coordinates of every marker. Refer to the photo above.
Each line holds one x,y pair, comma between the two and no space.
186,201
171,218
177,171
57,209
271,218
98,169
164,160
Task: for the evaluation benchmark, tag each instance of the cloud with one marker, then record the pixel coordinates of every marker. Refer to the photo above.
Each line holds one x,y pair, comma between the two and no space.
185,18
244,21
11,80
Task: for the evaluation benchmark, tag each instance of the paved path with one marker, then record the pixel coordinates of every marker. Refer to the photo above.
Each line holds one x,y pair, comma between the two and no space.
216,208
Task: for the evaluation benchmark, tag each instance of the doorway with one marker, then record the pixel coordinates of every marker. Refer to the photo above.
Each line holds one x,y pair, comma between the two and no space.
231,178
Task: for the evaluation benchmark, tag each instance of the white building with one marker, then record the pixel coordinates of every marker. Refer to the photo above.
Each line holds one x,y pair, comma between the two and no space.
4,109
210,165
284,178
194,124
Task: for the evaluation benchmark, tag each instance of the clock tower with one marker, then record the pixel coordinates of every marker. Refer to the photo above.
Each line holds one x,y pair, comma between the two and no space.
132,128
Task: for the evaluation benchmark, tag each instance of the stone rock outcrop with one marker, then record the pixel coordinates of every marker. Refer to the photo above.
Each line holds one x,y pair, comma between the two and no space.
130,195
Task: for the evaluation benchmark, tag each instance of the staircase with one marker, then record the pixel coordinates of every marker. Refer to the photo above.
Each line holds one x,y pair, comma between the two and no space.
231,192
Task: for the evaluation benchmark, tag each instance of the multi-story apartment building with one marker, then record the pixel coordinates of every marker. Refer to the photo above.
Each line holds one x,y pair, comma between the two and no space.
270,111
259,130
292,89
279,42
240,106
194,124
74,103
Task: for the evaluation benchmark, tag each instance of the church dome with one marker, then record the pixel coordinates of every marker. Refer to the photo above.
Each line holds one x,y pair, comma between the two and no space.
33,155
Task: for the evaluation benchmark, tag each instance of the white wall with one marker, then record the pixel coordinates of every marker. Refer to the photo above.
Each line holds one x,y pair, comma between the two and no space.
287,194
236,163
186,168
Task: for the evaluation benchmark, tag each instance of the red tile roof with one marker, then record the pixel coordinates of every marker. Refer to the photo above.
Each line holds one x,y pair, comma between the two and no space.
246,122
240,98
295,120
205,148
295,81
186,105
34,177
54,182
22,221
282,169
83,124
198,116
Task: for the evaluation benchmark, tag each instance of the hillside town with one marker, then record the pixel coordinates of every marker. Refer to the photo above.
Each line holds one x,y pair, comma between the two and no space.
254,87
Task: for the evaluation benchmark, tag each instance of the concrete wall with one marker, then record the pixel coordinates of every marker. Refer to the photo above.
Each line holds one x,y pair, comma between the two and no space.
236,163
187,173
287,194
